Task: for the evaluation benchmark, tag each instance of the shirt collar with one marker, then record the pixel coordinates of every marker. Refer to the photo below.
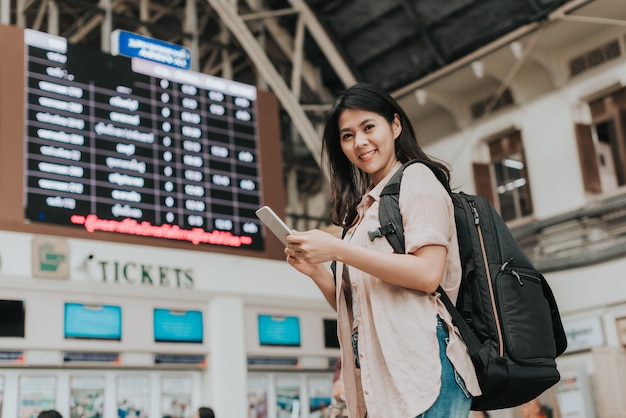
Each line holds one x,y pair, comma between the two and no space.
374,194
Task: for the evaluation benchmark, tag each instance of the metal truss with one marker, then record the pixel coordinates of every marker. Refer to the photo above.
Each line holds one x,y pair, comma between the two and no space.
243,40
240,40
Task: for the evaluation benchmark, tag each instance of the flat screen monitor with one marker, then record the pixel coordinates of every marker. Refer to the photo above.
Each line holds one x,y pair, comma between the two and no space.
99,322
330,333
278,330
178,326
12,316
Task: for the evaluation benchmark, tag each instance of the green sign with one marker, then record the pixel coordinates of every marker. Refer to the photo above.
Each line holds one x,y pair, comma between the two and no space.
50,258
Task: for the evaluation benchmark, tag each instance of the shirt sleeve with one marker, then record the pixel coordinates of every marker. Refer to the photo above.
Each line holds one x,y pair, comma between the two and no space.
426,208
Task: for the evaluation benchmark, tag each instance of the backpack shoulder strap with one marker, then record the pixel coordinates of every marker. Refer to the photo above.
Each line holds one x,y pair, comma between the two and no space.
393,230
333,264
389,211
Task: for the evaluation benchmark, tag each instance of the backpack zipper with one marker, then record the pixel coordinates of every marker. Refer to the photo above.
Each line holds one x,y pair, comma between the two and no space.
519,275
486,262
505,268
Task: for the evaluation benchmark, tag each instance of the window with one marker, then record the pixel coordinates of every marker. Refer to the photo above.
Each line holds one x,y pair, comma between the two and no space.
483,106
602,144
504,181
594,58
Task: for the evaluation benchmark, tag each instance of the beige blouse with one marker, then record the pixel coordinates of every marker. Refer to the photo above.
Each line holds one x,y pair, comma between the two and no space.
398,348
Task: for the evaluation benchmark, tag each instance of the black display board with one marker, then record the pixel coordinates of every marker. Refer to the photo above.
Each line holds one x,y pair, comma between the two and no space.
134,147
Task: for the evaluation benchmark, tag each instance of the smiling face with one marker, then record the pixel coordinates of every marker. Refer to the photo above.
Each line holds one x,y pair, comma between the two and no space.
368,141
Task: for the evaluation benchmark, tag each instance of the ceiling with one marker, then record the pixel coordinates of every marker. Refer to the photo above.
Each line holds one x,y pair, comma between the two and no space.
395,42
305,51
392,42
401,45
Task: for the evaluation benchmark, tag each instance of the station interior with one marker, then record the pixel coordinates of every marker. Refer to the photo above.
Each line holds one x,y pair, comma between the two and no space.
139,137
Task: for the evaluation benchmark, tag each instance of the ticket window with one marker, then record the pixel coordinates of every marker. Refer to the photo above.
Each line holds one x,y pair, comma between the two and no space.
100,393
289,395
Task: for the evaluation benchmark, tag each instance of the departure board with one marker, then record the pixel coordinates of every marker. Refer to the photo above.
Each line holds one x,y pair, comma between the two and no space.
135,147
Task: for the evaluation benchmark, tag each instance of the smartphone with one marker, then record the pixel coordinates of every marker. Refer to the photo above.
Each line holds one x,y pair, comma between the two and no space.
274,223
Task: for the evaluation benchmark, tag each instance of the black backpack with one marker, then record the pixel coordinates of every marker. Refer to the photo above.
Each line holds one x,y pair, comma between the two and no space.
505,311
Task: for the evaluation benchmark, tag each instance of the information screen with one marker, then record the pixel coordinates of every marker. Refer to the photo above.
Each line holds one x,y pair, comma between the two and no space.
135,147
178,326
279,330
103,322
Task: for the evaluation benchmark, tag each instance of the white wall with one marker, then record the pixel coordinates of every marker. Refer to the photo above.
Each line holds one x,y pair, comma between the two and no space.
217,273
547,127
546,120
225,288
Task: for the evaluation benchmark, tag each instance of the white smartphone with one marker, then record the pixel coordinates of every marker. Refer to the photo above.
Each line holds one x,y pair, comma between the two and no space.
274,223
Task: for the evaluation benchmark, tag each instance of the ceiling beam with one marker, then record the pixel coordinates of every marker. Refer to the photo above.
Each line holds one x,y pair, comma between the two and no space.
487,49
325,43
285,42
424,34
290,104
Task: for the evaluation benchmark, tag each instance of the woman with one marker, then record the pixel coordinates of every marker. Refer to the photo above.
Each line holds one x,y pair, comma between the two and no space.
401,355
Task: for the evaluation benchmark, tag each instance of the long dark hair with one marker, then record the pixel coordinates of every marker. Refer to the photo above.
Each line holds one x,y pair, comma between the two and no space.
348,183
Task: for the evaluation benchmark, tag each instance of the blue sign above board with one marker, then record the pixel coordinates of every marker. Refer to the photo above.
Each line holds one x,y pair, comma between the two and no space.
133,45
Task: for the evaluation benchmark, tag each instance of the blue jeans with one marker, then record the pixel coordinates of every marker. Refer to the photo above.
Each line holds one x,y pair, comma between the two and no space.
454,401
